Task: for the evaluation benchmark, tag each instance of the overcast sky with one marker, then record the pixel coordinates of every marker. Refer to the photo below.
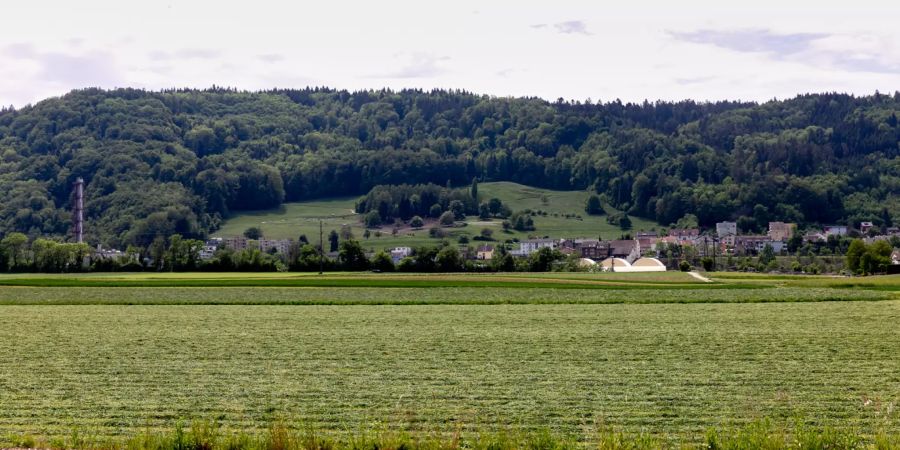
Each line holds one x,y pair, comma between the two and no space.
635,50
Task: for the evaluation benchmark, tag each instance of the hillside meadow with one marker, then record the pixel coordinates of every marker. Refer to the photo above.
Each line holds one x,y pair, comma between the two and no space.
302,218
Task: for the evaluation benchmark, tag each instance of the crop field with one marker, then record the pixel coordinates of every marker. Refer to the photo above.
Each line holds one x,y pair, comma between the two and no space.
116,361
293,219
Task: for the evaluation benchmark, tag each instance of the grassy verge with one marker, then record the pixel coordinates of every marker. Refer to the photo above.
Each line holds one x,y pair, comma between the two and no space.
208,436
366,283
31,295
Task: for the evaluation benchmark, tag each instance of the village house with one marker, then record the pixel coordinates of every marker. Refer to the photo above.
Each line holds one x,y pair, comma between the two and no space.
647,239
591,249
398,253
814,236
724,229
780,231
727,241
874,239
280,246
685,234
529,246
751,245
210,247
706,245
108,253
835,230
864,227
236,243
664,241
485,252
627,249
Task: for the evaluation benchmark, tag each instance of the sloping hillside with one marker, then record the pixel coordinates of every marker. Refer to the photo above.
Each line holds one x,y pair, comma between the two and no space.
293,219
181,161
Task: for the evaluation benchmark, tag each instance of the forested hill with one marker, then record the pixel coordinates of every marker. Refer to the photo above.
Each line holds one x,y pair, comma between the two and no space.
180,161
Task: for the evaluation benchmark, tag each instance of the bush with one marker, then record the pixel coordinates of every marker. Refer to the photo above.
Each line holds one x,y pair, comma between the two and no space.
684,266
708,264
593,206
406,265
253,233
382,261
416,222
447,219
448,260
373,219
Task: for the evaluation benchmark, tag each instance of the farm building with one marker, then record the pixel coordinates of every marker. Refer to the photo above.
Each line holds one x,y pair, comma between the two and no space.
641,265
586,262
615,265
648,265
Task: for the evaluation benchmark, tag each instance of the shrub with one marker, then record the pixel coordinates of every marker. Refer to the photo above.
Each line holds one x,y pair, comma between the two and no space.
373,219
447,219
382,261
253,233
593,206
407,264
684,266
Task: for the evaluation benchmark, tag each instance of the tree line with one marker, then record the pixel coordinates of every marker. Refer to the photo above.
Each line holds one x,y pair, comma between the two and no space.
180,254
412,203
181,161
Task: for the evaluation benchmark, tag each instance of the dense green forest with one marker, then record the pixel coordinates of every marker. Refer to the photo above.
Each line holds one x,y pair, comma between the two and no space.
179,161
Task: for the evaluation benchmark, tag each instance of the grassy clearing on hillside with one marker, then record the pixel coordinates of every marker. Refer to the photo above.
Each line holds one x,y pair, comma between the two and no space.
521,197
293,219
669,369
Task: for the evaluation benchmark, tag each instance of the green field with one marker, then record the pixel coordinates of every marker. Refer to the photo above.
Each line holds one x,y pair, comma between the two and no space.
293,219
648,353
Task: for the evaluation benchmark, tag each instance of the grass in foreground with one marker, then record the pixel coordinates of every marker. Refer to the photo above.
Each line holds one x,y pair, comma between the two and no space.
414,295
663,280
672,369
208,436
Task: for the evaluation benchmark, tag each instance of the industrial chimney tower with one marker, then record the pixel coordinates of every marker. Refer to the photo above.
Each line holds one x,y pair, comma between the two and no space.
78,213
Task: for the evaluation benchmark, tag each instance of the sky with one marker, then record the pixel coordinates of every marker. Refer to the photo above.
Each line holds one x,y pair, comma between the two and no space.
579,50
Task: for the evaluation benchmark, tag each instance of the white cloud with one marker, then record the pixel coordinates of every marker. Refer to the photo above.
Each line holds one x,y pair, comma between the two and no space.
571,27
567,48
848,52
419,65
